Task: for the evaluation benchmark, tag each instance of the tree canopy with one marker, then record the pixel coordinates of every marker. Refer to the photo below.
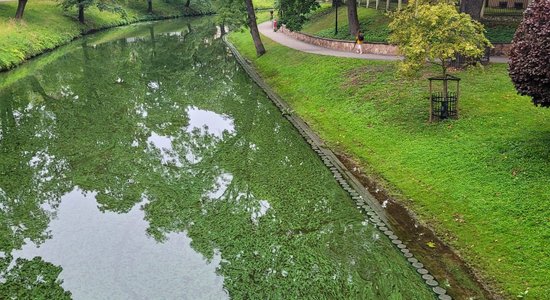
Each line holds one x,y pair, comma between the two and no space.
436,33
293,13
529,68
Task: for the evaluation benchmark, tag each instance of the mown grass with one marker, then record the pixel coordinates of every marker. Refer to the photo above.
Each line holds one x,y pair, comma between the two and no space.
263,4
46,26
481,181
374,25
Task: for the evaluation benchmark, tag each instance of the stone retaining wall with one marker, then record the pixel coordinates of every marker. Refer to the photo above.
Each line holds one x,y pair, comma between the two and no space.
500,49
372,48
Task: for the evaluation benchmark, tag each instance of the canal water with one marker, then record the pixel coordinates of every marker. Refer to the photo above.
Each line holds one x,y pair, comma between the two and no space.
143,163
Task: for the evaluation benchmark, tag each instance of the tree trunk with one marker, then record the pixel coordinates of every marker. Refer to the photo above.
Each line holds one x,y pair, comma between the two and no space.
336,18
187,3
387,5
150,6
20,9
81,13
352,17
472,7
260,50
153,41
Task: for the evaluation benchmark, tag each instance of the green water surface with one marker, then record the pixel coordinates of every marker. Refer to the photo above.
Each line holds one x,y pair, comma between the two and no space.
143,163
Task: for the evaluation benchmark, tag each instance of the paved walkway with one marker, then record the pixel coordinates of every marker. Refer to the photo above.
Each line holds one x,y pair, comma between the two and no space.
285,40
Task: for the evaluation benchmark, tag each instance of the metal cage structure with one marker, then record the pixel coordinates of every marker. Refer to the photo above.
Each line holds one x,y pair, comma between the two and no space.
444,104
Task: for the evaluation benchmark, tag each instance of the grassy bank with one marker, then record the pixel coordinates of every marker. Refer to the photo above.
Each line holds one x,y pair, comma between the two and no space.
481,181
374,24
46,26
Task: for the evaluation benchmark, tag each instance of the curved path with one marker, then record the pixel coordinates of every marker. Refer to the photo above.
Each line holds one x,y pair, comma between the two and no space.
285,40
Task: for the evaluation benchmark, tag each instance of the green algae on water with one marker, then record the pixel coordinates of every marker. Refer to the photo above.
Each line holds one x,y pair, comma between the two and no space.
166,139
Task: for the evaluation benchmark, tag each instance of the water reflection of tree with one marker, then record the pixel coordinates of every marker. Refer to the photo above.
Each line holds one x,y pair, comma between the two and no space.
26,184
33,279
93,133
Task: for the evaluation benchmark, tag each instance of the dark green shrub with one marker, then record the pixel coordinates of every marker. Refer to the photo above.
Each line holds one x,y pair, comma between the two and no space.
530,54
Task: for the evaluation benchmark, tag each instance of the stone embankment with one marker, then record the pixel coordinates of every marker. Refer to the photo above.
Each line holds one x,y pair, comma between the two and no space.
500,49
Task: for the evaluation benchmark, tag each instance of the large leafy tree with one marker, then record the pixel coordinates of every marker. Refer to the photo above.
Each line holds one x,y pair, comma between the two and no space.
253,27
230,12
240,13
293,13
435,33
529,68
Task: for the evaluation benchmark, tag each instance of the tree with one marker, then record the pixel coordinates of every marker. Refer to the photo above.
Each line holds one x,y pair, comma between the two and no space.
436,33
81,5
353,19
230,13
149,6
529,68
253,26
237,13
472,7
335,4
20,9
293,13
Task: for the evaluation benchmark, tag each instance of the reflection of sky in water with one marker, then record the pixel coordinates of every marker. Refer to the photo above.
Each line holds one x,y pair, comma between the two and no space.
164,145
209,122
108,256
201,122
220,186
259,212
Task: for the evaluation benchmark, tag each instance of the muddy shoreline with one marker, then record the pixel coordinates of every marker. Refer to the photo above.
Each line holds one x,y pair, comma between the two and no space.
440,259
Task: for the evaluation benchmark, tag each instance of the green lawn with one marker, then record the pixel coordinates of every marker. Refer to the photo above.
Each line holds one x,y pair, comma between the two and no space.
263,4
374,25
482,182
45,26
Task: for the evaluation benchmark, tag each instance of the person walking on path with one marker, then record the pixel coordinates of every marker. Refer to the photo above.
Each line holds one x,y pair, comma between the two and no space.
359,38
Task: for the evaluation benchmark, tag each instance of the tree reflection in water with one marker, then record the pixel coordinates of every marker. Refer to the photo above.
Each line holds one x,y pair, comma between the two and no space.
160,117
